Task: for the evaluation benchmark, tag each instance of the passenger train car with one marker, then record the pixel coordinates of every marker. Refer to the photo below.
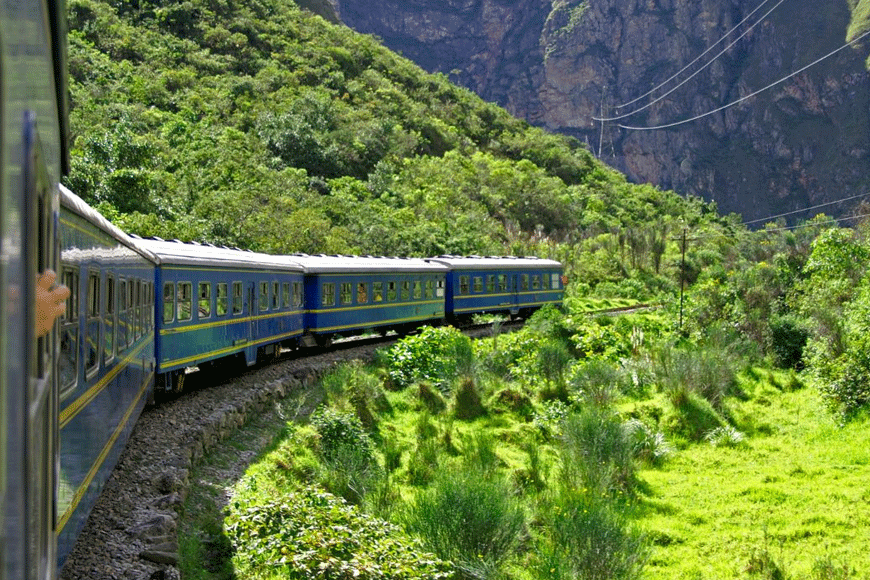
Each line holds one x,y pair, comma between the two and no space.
32,158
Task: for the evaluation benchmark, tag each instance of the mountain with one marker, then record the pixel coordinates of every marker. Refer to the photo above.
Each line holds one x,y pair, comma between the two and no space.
561,63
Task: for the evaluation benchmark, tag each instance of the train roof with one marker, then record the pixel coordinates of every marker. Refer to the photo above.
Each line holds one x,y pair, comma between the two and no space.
332,264
77,205
494,262
175,252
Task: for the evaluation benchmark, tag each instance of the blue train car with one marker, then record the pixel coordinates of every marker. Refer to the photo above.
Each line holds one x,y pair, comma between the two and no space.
514,286
218,303
32,159
106,363
348,295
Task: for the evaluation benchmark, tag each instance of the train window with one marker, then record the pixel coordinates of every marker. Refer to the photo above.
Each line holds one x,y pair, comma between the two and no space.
109,321
70,279
140,301
221,300
391,291
92,325
524,280
418,290
430,288
545,281
439,290
463,284
131,314
536,282
238,303
362,293
490,283
377,291
406,289
69,333
328,294
122,330
276,295
555,281
264,296
502,282
204,310
297,295
285,294
478,283
168,302
184,301
346,293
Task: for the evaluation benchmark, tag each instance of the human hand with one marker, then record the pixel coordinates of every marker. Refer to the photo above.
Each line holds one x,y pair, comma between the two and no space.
50,302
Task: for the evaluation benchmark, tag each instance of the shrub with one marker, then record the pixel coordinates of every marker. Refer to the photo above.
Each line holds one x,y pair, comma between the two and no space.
350,472
590,539
468,518
725,436
710,372
649,446
430,397
435,354
311,534
467,404
516,402
787,341
595,382
339,430
692,416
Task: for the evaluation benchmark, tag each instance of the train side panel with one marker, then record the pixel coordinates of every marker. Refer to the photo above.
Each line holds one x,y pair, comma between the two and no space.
106,362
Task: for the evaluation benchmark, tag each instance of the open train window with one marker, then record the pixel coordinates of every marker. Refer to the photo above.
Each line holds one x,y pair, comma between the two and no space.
285,294
204,303
545,281
168,302
406,289
490,283
377,291
132,332
430,288
418,290
139,299
221,299
478,283
297,295
122,330
184,301
276,295
391,291
463,284
346,293
524,281
362,293
536,282
264,296
238,298
502,282
109,321
92,324
69,332
328,294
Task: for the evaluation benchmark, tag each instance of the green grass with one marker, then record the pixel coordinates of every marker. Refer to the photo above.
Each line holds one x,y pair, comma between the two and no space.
800,493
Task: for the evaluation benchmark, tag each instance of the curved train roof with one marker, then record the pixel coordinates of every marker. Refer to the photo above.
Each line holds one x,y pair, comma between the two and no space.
77,205
322,264
196,254
493,262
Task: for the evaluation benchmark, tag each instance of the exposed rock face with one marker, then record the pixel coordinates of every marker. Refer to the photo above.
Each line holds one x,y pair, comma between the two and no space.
559,63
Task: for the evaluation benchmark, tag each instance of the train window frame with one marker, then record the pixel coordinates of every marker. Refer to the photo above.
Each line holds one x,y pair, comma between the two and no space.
69,331
264,296
464,284
168,302
478,284
524,282
418,290
377,291
203,314
362,293
238,298
392,294
536,282
109,321
502,282
93,320
556,279
140,309
327,294
184,301
298,295
276,295
405,290
545,281
429,289
221,299
490,283
122,333
285,295
345,293
131,312
439,288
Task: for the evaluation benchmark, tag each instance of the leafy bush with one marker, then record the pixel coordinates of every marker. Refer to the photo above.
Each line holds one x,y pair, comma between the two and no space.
468,518
590,539
314,535
338,431
429,356
787,340
467,403
710,372
649,446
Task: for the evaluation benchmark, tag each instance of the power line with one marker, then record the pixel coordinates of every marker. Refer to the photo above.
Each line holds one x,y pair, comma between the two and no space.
773,217
696,73
697,58
741,99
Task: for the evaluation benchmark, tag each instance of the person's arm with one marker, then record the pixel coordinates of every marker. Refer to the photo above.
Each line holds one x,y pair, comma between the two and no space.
50,302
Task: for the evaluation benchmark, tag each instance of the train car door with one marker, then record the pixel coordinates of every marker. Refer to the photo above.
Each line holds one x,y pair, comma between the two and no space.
253,309
514,291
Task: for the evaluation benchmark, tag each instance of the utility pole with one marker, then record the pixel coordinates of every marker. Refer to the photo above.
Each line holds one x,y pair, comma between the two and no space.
601,116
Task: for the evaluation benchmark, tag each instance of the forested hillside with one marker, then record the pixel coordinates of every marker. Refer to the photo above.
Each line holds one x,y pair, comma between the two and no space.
259,125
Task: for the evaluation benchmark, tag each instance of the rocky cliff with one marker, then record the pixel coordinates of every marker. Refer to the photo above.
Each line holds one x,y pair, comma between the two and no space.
561,63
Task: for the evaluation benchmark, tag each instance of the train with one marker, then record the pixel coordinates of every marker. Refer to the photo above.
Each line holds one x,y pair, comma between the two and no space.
142,313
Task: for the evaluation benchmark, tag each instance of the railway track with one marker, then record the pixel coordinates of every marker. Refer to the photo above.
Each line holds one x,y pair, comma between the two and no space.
131,533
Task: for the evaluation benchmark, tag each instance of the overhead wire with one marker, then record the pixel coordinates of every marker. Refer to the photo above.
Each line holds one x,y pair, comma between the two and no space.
697,58
773,217
694,74
749,96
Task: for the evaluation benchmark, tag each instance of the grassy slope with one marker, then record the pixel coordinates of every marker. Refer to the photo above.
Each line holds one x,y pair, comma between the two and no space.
799,493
